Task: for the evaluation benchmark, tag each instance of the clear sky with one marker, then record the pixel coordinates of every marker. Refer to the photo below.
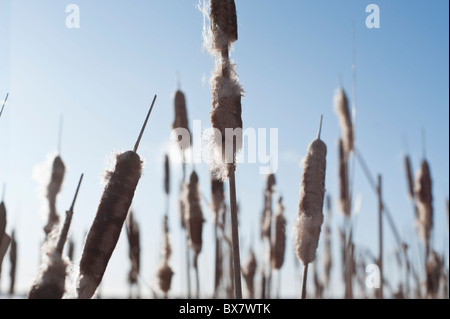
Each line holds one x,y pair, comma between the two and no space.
102,78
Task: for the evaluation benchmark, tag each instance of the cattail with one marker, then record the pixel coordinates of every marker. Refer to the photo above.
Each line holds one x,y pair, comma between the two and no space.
50,283
181,119
164,275
266,221
327,259
164,272
218,196
13,260
342,110
5,239
310,215
249,272
134,252
344,201
424,201
279,243
182,204
226,114
167,174
70,249
409,176
194,221
434,271
194,216
53,189
317,283
110,217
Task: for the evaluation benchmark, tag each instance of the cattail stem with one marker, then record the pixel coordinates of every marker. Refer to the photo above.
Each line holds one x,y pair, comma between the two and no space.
305,278
136,146
4,103
65,230
380,234
235,237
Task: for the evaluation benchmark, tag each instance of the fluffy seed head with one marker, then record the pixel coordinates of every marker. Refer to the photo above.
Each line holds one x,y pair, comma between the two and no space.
310,215
424,199
249,272
226,119
344,202
343,112
134,252
218,196
194,218
279,244
164,275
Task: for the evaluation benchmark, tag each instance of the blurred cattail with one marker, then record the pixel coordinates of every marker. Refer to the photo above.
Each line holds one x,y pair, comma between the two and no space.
13,260
342,110
310,215
166,174
279,243
194,221
70,249
182,204
424,200
134,252
181,118
110,217
266,221
165,273
53,189
434,272
409,176
50,283
344,202
317,283
249,271
327,258
194,216
5,239
218,197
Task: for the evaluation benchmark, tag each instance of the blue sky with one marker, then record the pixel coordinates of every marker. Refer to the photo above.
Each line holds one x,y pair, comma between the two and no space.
103,76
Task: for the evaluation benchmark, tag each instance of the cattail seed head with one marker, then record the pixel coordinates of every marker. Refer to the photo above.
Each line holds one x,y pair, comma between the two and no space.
344,200
226,119
249,272
223,23
409,176
218,197
342,110
134,252
2,220
167,248
13,260
424,197
194,218
164,274
434,269
53,189
279,244
310,215
181,118
166,174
